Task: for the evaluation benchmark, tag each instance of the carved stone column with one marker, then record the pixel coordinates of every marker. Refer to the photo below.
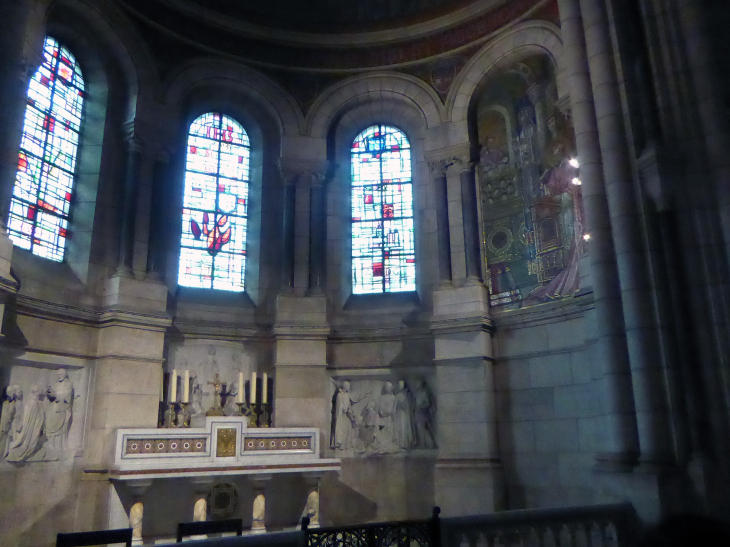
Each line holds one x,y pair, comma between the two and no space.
536,93
158,218
472,248
647,371
136,512
129,203
201,488
258,525
619,440
311,508
289,179
438,170
317,234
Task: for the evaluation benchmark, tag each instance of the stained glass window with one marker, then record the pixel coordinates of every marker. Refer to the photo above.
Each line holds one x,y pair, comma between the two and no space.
213,246
383,251
39,209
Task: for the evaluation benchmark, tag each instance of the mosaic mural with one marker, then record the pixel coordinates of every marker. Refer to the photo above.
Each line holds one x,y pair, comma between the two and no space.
383,249
40,207
529,177
214,217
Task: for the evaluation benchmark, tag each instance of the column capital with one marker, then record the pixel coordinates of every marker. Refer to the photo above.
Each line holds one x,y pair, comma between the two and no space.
464,163
439,167
296,171
563,104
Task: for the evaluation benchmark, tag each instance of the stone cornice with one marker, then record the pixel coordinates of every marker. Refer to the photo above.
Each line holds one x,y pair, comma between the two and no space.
567,308
53,311
8,286
304,171
448,325
300,332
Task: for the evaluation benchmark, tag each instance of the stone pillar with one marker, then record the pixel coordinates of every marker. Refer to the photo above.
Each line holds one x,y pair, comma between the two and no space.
258,525
136,512
21,53
619,434
317,234
301,332
438,169
311,508
288,232
468,477
157,247
472,247
647,372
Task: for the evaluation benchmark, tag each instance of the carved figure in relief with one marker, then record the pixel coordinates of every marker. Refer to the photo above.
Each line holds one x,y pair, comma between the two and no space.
230,407
404,418
27,440
59,415
344,420
6,418
369,425
425,410
196,394
386,411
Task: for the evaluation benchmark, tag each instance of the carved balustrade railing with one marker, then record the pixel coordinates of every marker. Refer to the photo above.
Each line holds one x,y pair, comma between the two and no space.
585,526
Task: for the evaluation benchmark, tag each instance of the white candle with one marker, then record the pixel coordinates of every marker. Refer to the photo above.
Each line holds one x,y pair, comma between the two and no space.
265,390
173,386
253,388
186,387
241,388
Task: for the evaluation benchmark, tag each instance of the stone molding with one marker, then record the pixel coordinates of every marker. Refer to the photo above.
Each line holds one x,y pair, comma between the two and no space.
477,361
568,308
448,325
301,332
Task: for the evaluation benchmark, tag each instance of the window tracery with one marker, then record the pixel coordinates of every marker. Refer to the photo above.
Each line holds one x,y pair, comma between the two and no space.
383,248
215,202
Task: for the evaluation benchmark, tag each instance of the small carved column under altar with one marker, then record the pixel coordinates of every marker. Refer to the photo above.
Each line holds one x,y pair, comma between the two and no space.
259,504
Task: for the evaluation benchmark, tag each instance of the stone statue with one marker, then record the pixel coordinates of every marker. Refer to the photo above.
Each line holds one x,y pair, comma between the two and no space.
425,409
386,411
59,415
27,439
196,395
230,408
405,434
6,418
343,417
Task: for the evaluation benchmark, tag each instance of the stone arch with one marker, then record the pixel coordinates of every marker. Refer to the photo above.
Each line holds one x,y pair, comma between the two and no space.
531,36
367,88
111,28
246,81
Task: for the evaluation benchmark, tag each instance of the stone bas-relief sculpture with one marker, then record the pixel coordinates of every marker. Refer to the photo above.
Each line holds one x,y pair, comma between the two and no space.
34,424
214,371
378,417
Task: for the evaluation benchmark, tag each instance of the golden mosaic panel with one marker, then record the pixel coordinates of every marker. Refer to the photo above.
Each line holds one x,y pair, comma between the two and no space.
226,442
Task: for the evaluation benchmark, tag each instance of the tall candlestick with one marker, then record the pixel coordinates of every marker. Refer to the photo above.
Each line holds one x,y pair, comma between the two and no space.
173,386
186,387
265,389
241,388
253,388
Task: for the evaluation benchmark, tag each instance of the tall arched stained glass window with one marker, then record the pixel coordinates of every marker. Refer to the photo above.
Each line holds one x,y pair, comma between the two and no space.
213,246
39,210
383,251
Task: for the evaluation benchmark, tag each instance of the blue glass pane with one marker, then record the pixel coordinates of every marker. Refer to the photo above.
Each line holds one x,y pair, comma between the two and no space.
383,248
41,201
215,205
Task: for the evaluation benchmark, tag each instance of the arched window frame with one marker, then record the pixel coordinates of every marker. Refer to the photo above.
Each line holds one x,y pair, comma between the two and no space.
225,237
40,209
382,208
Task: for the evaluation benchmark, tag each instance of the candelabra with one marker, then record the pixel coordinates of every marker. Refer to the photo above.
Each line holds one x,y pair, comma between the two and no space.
183,415
265,415
247,410
170,415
